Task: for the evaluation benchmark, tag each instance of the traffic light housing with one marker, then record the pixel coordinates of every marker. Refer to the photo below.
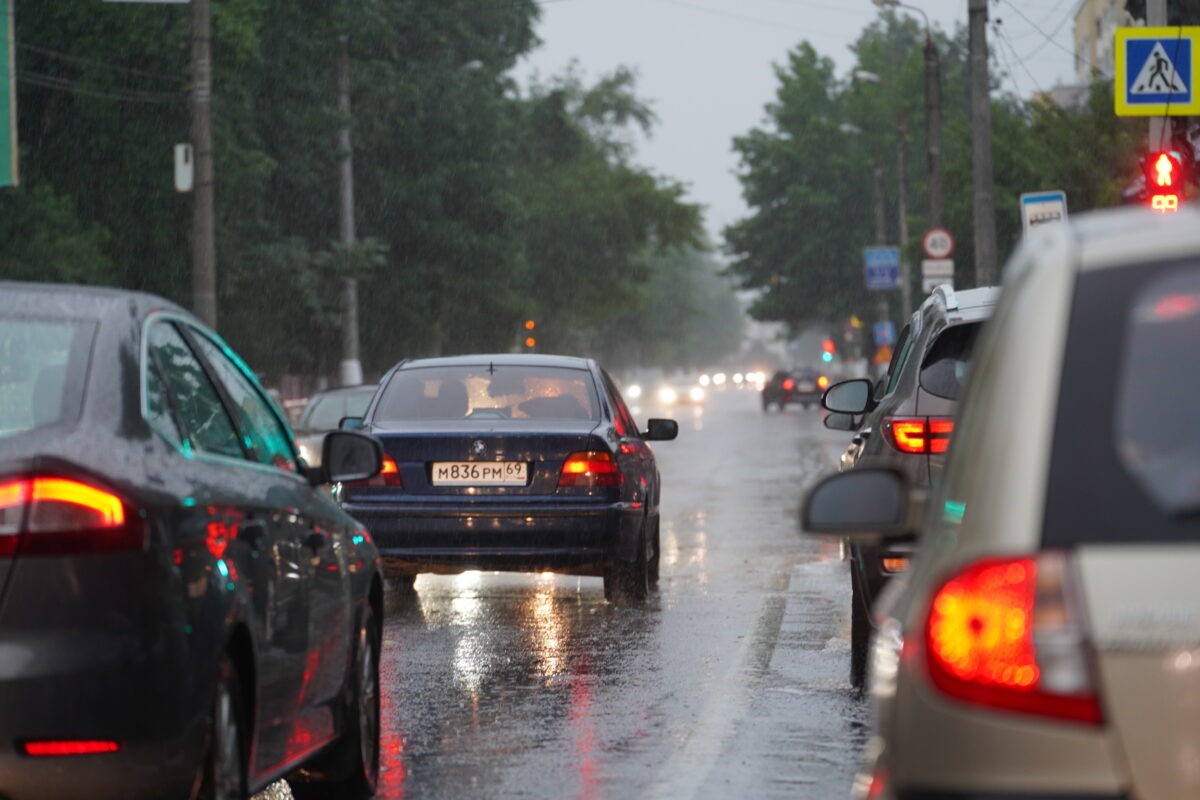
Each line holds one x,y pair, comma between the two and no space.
1166,173
828,348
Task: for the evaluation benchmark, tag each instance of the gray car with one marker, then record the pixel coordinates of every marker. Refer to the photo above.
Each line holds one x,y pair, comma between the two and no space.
906,421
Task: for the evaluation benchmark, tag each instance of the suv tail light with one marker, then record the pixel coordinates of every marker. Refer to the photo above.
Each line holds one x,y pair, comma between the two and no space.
589,470
389,475
918,435
788,384
1007,633
48,515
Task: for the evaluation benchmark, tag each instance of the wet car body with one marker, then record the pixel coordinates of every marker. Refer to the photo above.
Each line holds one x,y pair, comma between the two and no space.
116,631
596,526
946,320
1043,645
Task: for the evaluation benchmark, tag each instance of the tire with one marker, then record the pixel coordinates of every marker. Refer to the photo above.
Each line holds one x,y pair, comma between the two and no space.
627,583
655,557
349,770
224,775
860,634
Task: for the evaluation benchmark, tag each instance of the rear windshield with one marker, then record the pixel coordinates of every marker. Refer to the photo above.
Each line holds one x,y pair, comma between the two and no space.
1158,392
946,365
488,392
37,361
324,412
1125,464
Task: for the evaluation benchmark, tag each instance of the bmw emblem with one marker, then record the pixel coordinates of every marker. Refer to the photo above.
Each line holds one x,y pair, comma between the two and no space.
478,447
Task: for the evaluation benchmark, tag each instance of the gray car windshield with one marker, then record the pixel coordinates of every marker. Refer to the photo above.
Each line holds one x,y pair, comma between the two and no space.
489,391
36,359
1158,418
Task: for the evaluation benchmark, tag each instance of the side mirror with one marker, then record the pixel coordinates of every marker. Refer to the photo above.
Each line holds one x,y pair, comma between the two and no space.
351,424
661,430
849,397
837,421
348,456
867,503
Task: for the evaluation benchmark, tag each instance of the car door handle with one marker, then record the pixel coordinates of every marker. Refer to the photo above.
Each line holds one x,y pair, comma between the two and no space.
252,531
314,541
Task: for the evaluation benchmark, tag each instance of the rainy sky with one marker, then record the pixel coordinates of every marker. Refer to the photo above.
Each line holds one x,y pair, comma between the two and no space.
706,65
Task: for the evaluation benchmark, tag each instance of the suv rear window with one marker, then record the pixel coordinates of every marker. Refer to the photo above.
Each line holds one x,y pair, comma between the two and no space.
507,391
944,370
1125,462
1158,410
38,359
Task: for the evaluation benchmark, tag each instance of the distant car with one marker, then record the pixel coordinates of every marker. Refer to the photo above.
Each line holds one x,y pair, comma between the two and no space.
680,393
512,462
908,426
778,391
1044,645
182,612
810,385
322,414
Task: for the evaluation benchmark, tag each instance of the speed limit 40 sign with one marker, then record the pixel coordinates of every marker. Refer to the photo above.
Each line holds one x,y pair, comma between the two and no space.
937,243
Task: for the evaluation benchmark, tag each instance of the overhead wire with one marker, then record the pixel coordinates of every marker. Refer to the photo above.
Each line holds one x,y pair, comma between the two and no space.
1034,25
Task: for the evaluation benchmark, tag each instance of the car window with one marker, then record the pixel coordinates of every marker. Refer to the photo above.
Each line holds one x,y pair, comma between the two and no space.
899,359
944,370
487,391
36,359
324,412
269,441
158,408
192,395
624,422
1158,415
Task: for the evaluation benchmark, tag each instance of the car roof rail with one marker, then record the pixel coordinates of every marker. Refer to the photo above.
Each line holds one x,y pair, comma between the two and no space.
947,294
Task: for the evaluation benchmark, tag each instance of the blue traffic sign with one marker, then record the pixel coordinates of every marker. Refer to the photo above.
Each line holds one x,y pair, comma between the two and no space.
885,333
882,266
1155,71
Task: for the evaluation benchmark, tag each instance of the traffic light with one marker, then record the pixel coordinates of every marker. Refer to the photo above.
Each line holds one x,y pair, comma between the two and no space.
828,349
1166,176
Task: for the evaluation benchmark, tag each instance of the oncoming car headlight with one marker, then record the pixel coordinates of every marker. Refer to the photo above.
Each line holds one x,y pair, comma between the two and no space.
667,395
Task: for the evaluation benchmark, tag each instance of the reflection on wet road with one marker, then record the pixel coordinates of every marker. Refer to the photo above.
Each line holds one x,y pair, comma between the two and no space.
732,681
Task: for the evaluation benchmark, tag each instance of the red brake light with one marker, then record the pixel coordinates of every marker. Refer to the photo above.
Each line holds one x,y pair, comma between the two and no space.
1003,633
919,434
70,747
389,475
590,469
46,515
789,384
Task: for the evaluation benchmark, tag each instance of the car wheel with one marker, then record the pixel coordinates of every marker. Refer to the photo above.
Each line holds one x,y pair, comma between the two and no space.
350,768
860,634
655,557
628,582
225,763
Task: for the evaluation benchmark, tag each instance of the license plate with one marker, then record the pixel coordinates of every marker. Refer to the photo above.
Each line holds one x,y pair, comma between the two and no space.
480,473
807,386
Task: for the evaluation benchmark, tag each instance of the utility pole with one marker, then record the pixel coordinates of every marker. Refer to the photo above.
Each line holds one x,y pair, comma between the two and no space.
933,129
902,207
880,229
982,177
350,371
204,249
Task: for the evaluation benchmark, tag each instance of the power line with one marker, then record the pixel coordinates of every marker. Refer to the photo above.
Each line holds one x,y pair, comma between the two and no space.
1004,38
743,17
1032,24
58,54
58,84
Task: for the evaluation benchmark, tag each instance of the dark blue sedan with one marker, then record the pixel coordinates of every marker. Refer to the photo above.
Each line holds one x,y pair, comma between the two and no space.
512,462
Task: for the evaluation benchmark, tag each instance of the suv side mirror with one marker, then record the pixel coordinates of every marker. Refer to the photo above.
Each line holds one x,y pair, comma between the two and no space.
350,424
837,421
867,503
348,456
849,397
661,430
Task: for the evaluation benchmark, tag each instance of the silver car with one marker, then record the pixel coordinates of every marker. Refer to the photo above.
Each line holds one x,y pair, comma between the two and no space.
1046,642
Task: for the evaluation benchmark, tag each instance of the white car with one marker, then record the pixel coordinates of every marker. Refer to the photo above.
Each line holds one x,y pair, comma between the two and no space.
1046,642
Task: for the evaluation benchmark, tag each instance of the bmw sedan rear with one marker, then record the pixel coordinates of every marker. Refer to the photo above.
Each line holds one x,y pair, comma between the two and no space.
512,462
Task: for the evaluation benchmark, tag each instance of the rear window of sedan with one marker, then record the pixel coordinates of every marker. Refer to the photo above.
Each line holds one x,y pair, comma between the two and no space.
41,366
1125,464
488,391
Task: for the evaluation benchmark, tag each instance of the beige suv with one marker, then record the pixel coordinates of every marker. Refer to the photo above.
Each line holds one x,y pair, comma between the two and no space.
1046,642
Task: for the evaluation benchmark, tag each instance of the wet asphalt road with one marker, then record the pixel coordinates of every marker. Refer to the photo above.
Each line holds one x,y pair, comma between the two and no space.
731,682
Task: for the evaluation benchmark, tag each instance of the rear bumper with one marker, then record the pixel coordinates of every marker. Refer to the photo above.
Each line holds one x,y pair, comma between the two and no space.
421,536
943,795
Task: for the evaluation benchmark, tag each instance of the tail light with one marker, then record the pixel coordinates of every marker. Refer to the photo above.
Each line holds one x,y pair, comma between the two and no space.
389,475
918,435
1006,633
47,515
69,747
788,384
590,469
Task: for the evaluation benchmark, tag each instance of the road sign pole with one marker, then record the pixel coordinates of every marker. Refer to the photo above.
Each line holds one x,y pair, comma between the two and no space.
1157,135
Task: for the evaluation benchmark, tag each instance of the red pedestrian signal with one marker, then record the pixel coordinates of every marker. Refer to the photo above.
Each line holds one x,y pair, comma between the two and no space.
1166,175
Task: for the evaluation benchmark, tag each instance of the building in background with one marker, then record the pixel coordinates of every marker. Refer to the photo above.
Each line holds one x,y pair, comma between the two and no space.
1096,23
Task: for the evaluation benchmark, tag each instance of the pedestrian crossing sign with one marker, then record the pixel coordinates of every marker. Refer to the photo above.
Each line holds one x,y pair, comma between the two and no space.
1156,72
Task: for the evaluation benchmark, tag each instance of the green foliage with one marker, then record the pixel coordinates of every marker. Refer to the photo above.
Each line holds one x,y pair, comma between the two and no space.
477,207
808,181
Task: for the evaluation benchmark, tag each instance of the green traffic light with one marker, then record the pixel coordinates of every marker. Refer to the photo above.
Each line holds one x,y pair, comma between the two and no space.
827,357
